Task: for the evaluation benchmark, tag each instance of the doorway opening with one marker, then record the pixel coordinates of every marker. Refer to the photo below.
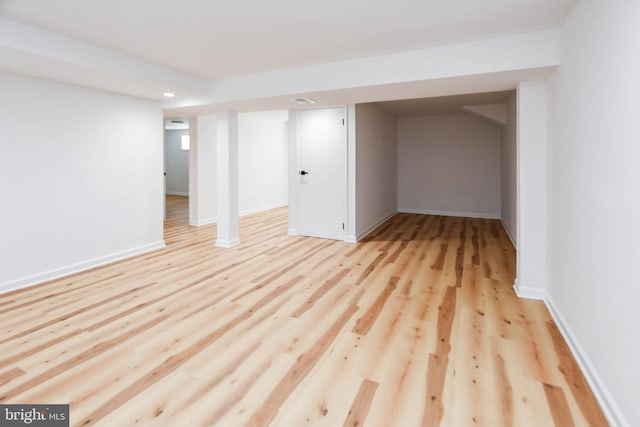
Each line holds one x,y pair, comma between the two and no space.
190,171
177,144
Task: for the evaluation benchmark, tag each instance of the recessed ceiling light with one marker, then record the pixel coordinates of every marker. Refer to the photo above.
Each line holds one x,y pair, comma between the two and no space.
169,94
303,100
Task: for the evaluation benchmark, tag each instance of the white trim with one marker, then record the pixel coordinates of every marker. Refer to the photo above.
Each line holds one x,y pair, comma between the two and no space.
263,208
528,293
607,403
68,270
345,171
227,243
350,223
202,222
450,213
294,203
504,225
362,235
177,193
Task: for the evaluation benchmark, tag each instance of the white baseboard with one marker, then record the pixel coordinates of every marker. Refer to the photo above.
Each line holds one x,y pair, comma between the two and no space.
611,410
292,232
528,293
351,238
450,213
202,222
263,208
504,225
57,273
177,193
363,234
227,243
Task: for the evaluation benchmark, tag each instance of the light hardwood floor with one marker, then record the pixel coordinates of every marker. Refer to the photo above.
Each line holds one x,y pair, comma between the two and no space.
416,326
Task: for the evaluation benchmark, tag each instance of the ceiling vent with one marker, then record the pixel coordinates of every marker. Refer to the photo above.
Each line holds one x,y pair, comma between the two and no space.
178,122
303,101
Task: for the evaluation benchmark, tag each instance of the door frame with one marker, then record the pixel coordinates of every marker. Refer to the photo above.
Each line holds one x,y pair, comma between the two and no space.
294,167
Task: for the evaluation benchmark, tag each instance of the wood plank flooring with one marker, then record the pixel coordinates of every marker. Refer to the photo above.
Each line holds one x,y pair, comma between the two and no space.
416,326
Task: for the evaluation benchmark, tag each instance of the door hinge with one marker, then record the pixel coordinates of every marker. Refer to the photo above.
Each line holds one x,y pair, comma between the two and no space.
342,122
343,225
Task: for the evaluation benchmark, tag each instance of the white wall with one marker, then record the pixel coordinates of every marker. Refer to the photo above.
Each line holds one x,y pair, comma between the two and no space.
262,164
81,175
449,164
508,171
376,181
262,161
594,206
176,161
292,172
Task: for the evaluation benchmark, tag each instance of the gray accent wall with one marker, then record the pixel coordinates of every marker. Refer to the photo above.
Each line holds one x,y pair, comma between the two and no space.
376,167
508,161
176,163
449,165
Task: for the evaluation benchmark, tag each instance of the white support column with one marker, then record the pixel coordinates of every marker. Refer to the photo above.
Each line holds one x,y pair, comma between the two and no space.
227,174
202,172
532,274
193,170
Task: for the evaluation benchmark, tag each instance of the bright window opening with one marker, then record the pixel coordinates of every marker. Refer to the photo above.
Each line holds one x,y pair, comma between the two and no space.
185,142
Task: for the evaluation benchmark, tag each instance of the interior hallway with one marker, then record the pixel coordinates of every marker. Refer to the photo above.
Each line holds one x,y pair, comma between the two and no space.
416,326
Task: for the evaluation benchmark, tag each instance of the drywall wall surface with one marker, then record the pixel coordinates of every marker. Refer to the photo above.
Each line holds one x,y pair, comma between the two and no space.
375,167
203,193
594,205
449,164
76,195
521,52
508,168
495,112
292,172
262,161
532,196
176,161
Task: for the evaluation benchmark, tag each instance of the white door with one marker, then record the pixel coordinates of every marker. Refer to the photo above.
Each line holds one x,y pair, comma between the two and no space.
322,173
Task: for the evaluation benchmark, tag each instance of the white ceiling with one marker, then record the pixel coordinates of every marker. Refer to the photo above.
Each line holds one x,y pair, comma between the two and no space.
256,55
212,39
